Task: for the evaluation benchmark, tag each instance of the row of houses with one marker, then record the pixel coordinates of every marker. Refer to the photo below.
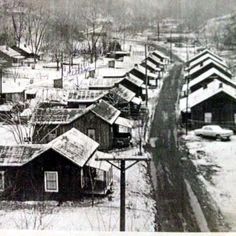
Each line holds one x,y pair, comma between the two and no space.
208,94
72,129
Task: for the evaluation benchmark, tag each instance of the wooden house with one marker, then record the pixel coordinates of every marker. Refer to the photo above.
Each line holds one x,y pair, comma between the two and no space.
10,55
124,99
140,72
64,169
213,104
134,84
162,57
98,121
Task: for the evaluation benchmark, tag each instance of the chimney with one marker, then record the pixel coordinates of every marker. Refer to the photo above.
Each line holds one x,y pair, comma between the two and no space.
7,48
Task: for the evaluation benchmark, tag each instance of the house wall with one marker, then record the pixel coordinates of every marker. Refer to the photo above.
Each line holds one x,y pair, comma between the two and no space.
27,182
103,131
222,107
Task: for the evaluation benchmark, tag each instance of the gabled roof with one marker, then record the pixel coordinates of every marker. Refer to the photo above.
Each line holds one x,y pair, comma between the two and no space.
202,94
75,146
206,66
10,52
213,71
206,51
57,115
106,112
86,95
123,92
205,57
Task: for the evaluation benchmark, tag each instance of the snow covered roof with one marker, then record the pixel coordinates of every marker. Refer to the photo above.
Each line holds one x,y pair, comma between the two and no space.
203,94
6,107
111,72
207,74
57,115
134,79
151,65
152,57
104,83
206,63
101,165
11,87
124,122
106,111
136,100
17,155
10,52
206,51
160,54
86,95
53,94
75,146
123,92
206,57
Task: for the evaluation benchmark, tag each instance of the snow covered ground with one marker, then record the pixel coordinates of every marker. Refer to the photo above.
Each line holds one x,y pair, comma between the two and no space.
104,215
219,158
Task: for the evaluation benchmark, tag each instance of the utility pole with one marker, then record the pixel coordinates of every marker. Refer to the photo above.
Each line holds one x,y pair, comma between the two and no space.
187,92
62,73
122,167
171,46
146,77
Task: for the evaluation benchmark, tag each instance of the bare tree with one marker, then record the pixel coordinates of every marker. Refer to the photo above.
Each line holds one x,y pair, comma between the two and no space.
36,29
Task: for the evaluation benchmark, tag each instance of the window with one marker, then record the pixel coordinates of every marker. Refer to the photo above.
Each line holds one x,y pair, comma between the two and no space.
2,181
208,117
51,181
91,133
235,118
82,177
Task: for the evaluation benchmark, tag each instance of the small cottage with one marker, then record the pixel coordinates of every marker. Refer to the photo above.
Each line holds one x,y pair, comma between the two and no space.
98,121
124,99
64,169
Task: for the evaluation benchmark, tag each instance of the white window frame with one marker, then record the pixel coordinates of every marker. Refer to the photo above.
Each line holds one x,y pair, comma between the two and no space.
207,117
2,176
45,182
90,129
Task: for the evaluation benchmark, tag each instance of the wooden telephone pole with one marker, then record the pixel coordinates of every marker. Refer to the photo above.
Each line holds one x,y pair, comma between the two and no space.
122,167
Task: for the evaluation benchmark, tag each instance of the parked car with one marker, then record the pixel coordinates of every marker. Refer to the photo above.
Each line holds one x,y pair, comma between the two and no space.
214,131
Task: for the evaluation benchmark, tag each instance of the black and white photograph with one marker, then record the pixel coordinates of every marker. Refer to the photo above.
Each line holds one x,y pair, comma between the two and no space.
117,116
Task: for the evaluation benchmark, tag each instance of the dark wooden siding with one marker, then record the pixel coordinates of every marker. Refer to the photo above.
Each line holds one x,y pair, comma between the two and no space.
222,107
103,130
27,182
